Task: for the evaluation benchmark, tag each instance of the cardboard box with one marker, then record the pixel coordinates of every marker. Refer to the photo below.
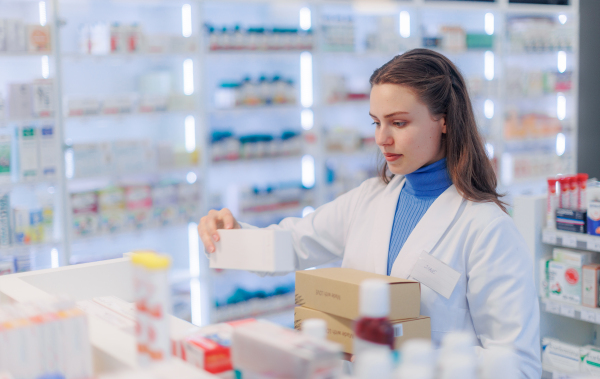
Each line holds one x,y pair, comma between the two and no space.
38,38
590,284
565,283
573,257
561,356
29,161
336,291
590,360
341,330
48,152
571,220
261,250
593,218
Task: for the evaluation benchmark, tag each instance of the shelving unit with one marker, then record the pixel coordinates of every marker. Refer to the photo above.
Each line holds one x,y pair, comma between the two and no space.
570,323
327,172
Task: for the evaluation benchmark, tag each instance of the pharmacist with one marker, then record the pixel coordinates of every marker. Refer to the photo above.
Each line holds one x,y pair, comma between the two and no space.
434,201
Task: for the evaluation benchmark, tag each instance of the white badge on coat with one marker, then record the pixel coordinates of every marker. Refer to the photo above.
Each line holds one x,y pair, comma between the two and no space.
435,274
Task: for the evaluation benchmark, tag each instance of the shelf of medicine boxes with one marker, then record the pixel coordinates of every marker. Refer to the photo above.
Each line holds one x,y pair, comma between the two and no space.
570,239
19,54
97,116
557,373
252,108
578,312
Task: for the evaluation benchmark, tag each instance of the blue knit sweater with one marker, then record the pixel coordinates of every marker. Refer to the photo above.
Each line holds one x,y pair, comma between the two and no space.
421,189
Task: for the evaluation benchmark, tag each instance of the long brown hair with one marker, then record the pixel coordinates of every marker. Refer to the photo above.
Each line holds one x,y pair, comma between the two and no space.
438,83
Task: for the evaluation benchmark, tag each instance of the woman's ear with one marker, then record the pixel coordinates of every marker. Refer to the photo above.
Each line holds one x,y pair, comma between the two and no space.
443,121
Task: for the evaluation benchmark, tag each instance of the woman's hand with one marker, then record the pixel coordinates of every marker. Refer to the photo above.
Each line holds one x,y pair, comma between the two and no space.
207,229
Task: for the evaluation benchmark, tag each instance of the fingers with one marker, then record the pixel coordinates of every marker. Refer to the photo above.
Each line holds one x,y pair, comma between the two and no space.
204,236
229,221
212,222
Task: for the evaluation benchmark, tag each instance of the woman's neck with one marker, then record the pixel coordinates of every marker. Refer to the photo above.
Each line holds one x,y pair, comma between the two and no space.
429,180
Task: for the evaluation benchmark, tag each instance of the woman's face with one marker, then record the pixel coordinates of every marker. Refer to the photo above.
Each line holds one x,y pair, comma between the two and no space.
407,134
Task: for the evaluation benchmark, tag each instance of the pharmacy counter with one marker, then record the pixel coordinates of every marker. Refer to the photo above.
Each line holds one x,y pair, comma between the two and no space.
113,343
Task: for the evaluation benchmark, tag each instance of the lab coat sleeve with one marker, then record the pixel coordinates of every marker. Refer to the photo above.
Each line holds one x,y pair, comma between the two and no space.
502,297
320,237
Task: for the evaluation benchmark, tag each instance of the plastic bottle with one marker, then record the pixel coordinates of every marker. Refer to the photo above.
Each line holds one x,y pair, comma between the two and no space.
456,345
499,363
552,204
582,182
564,200
574,191
315,327
417,360
373,330
373,364
461,366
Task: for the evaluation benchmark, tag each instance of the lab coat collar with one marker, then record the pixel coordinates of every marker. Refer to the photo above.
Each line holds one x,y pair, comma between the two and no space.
428,232
382,227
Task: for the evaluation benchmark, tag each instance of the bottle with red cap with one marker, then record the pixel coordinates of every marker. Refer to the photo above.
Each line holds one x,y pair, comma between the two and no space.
582,198
565,192
552,203
373,329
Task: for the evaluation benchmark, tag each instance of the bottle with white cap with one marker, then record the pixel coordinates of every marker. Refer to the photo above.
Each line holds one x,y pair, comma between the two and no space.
499,362
315,327
457,347
417,360
461,366
373,364
373,330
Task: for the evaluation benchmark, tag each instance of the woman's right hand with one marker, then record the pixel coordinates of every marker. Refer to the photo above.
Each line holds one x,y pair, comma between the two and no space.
207,228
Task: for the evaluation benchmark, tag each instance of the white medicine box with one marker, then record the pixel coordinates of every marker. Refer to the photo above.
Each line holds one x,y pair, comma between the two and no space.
261,250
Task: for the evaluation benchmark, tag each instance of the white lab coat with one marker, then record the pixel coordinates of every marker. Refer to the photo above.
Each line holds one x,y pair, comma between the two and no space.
495,298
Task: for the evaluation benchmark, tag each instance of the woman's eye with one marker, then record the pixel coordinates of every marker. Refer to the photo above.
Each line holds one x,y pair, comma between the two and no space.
375,123
399,123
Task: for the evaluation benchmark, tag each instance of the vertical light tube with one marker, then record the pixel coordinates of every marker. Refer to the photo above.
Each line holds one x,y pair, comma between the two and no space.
308,171
306,79
489,149
562,61
307,119
561,144
489,65
196,300
188,76
45,67
305,19
507,169
488,109
561,106
404,24
69,164
54,262
43,17
190,134
186,20
191,177
489,23
194,249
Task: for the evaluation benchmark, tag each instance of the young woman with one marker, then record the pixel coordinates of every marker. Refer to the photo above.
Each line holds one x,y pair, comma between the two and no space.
435,201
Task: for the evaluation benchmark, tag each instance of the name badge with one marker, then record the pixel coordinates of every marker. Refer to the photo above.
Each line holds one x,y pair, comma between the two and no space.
435,274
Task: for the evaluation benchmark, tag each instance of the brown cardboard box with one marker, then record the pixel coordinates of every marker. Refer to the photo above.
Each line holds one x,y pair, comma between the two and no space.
341,329
336,291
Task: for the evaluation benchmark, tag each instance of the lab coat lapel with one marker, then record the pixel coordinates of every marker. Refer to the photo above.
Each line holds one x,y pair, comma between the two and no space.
382,227
428,231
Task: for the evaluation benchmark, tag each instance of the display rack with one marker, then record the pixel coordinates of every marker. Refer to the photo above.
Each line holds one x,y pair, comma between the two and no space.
328,105
570,323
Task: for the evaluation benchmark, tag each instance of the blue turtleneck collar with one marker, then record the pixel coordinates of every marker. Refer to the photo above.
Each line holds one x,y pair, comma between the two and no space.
428,181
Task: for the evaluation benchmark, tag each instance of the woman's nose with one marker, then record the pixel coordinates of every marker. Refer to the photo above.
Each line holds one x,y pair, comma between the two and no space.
383,138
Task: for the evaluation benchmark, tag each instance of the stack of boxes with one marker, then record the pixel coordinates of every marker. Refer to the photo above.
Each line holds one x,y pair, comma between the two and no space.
332,295
571,276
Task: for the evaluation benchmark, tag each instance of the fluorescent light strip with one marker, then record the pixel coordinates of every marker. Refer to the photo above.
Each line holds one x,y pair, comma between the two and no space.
561,106
489,23
507,169
561,143
54,261
562,61
306,79
488,109
45,67
305,19
188,76
186,20
194,249
196,300
489,149
307,119
69,164
404,24
43,17
489,65
190,134
308,171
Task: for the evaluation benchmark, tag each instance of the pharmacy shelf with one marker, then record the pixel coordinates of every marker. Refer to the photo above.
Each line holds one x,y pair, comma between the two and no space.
254,108
113,116
248,52
266,159
8,186
21,121
570,239
578,312
126,57
558,374
136,233
12,249
23,54
254,308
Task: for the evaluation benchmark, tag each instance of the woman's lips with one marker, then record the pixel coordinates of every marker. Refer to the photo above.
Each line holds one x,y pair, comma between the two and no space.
391,157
